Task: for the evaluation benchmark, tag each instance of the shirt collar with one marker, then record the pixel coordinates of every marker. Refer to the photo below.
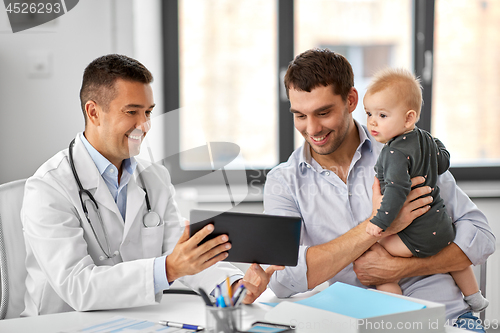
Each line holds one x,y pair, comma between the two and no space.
364,138
102,163
305,156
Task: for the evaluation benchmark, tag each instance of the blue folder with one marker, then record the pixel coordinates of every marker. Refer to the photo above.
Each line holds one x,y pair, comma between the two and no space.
359,303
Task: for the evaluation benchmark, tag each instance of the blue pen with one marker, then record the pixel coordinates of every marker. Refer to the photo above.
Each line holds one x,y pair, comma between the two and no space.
219,300
241,297
180,325
237,293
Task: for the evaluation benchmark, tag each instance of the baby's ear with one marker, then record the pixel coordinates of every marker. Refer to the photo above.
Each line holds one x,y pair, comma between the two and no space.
411,118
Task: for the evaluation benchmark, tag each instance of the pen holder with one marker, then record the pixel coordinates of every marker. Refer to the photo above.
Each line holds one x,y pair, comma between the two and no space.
223,320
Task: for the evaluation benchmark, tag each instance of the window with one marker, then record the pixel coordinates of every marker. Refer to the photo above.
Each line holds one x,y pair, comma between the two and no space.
457,58
228,78
466,82
362,31
225,61
221,70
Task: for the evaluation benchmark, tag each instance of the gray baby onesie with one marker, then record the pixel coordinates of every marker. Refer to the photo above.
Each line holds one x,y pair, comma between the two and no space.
406,156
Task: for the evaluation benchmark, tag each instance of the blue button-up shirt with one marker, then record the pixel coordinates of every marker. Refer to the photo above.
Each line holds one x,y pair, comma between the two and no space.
329,208
109,173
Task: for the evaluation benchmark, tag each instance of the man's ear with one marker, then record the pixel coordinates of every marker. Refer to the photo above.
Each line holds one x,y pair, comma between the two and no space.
411,119
352,99
93,112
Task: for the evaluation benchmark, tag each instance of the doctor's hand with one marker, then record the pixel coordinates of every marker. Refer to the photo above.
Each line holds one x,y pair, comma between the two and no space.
188,258
256,281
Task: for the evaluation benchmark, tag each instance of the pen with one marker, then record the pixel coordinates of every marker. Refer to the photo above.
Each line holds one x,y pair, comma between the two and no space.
219,300
238,294
241,297
229,290
179,325
205,297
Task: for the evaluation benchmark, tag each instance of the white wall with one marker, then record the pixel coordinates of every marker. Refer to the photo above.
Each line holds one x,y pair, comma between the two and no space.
39,116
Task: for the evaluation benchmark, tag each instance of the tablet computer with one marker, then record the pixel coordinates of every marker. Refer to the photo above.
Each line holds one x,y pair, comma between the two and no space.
254,238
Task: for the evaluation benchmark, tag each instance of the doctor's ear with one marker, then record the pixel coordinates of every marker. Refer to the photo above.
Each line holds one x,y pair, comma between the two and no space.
92,111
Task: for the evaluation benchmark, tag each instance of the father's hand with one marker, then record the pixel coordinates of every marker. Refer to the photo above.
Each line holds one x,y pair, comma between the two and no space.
376,266
256,281
188,258
412,208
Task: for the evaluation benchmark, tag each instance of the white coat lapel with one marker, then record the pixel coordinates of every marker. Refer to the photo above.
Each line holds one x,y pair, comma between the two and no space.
91,179
135,202
104,198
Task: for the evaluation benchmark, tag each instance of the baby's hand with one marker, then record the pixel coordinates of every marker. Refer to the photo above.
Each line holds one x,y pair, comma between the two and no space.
373,229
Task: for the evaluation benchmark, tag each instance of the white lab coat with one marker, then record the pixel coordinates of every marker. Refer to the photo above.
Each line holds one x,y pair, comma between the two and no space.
64,269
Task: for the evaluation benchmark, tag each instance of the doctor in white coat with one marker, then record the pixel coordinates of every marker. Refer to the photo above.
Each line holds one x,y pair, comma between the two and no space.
135,242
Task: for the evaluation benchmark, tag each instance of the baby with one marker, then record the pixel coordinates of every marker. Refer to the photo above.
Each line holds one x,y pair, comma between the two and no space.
392,105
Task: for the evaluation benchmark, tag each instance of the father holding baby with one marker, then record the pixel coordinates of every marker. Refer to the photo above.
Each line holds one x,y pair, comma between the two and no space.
328,183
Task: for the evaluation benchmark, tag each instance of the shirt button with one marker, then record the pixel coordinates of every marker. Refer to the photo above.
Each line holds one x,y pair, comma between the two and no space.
112,170
327,173
308,166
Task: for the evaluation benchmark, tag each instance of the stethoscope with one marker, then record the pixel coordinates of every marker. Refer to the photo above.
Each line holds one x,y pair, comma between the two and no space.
151,219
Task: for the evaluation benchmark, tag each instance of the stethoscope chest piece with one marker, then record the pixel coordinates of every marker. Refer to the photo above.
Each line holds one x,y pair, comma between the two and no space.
151,219
102,258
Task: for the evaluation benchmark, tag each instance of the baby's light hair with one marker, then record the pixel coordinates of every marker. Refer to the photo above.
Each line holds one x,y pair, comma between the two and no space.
404,84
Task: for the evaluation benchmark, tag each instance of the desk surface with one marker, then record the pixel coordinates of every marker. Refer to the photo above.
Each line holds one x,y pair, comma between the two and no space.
175,307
